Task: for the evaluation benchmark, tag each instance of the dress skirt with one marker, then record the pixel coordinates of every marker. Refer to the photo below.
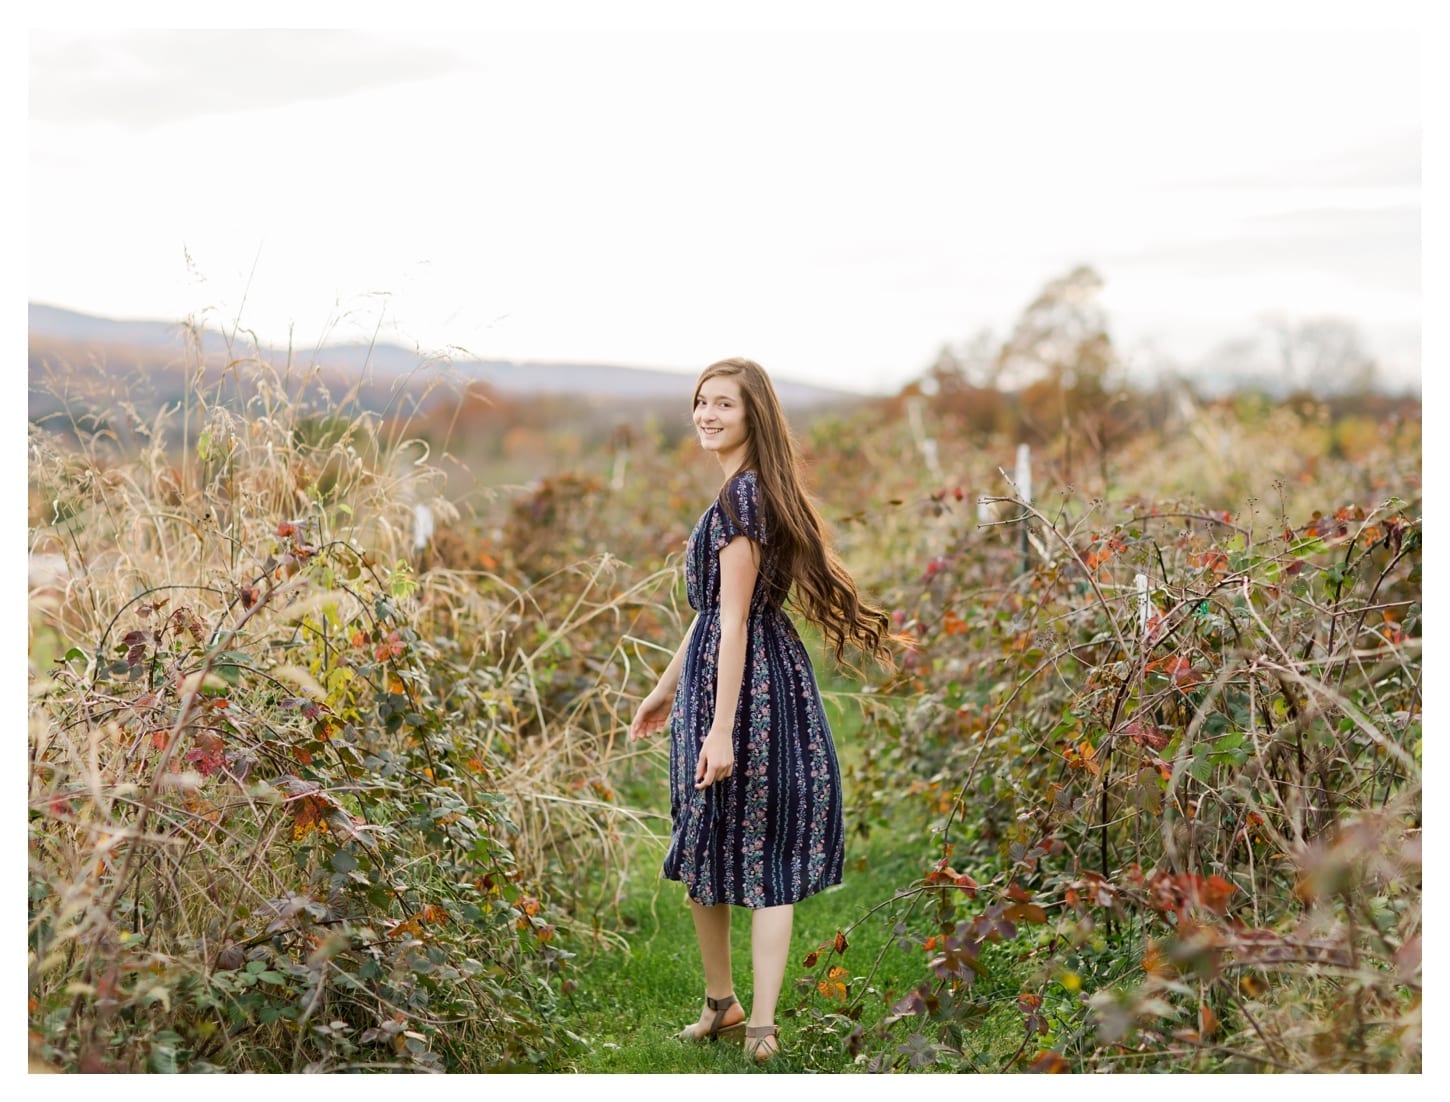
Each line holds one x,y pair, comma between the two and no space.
772,832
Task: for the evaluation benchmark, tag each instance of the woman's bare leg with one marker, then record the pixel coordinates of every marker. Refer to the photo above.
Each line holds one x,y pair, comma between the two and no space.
712,930
769,950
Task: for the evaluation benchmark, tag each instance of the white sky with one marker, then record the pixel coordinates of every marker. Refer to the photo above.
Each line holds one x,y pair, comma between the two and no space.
836,205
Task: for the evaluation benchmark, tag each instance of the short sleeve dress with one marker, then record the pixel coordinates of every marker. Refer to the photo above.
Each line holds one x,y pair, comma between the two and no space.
771,833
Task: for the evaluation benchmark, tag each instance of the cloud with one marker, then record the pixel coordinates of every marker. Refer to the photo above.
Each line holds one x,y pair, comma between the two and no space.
142,79
1380,247
1392,162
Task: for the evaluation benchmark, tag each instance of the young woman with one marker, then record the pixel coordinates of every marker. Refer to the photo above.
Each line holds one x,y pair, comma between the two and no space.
755,791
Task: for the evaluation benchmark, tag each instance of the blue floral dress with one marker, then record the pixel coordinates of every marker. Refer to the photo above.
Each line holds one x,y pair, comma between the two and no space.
772,832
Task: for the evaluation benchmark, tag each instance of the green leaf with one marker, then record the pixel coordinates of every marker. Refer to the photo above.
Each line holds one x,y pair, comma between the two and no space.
228,666
163,1060
343,861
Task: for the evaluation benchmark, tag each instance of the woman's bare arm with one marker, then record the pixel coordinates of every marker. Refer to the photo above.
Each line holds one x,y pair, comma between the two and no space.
739,566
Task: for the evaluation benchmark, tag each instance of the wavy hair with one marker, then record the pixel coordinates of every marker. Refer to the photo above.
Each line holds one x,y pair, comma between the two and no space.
801,563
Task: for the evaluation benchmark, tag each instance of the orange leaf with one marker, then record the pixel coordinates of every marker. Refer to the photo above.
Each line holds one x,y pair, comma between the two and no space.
836,972
840,942
1216,892
1153,962
810,961
1025,912
1207,1020
1049,1063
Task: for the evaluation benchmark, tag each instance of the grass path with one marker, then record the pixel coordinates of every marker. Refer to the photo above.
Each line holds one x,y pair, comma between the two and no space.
631,1001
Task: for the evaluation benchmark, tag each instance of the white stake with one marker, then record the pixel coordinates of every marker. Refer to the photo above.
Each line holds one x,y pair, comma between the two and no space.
422,526
1023,477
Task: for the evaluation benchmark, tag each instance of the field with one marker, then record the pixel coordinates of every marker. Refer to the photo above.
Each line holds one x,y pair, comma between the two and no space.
327,766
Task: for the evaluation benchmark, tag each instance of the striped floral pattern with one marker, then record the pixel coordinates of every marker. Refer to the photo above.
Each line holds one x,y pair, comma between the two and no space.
772,833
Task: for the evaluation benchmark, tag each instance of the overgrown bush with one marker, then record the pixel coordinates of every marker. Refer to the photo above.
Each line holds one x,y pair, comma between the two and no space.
293,805
1172,757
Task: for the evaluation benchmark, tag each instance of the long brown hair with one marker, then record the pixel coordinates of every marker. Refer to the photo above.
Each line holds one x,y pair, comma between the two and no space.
799,554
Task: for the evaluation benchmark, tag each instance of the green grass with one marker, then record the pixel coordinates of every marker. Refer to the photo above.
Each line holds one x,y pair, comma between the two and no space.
630,1002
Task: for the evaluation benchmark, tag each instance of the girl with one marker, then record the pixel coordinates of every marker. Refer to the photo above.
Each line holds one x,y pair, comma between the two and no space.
755,791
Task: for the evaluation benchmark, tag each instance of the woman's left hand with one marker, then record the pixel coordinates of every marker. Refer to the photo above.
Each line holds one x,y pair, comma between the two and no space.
716,760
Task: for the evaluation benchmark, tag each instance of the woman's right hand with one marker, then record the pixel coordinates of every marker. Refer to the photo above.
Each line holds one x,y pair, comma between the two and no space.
651,716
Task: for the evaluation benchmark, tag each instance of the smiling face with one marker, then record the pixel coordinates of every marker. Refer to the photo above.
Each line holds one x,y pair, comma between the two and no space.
720,420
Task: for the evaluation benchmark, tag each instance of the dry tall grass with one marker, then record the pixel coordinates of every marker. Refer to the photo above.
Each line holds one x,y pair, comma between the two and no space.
294,804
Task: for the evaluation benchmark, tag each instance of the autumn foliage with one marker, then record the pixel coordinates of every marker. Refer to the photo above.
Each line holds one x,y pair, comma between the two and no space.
306,793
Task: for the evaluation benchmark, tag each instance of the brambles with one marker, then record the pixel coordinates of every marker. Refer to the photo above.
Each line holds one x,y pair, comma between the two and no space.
1180,736
285,792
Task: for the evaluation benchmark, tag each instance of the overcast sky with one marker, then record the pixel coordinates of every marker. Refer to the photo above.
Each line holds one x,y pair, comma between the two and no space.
835,205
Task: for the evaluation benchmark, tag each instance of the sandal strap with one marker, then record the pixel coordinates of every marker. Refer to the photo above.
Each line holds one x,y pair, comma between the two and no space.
720,1004
759,1032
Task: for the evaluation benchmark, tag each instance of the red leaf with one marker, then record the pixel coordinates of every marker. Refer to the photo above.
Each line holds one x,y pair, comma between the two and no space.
1146,734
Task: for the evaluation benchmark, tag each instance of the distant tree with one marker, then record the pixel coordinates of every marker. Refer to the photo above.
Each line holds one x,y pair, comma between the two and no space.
1062,356
1324,356
1061,337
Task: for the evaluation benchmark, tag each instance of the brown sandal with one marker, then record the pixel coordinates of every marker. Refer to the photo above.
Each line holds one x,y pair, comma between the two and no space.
755,1038
715,1029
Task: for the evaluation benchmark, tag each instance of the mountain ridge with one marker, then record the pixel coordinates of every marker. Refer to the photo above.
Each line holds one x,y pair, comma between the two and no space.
520,377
